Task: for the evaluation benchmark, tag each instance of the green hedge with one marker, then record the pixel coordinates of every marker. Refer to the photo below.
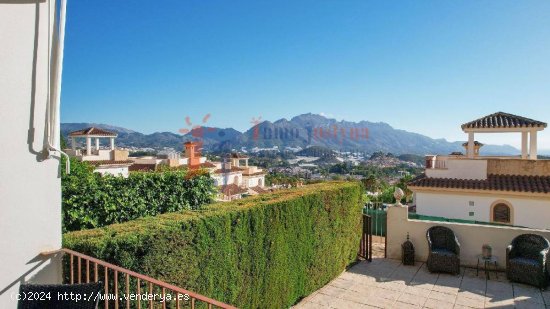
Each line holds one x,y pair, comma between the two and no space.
267,251
91,200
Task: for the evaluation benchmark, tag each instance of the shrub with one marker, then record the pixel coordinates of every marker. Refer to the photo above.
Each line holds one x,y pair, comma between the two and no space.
91,200
266,251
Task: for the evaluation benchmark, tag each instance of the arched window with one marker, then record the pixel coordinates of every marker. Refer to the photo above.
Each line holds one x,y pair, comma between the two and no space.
502,213
236,180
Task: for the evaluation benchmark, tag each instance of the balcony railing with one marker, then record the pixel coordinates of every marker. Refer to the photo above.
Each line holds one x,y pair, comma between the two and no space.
434,162
134,290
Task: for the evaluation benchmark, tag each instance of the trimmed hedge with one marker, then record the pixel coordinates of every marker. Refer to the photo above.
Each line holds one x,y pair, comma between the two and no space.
267,251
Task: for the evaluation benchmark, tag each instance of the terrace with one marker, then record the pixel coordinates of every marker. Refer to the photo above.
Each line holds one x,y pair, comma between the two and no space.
473,165
458,166
386,283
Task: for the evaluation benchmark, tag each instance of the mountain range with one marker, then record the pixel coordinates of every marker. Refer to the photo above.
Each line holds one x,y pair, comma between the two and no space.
300,131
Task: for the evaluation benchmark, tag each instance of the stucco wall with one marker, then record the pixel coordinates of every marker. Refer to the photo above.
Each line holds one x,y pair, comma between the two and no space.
519,167
460,169
527,211
471,237
227,179
119,155
113,170
147,160
102,154
30,188
253,181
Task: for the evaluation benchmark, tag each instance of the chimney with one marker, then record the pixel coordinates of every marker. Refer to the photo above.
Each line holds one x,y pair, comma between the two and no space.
477,145
226,165
193,161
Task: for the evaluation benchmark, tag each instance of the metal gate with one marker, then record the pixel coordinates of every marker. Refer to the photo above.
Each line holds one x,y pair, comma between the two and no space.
365,247
379,218
378,227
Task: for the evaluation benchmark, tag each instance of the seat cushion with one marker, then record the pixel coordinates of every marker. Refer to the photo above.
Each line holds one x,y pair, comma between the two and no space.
443,252
524,262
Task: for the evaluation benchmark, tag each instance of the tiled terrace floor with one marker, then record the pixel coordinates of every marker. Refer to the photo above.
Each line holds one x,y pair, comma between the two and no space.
385,283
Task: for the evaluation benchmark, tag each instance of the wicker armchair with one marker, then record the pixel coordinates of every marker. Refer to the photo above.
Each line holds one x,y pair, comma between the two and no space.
527,260
52,296
444,254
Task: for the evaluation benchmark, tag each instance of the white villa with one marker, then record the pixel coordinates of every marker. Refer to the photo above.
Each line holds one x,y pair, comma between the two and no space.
171,159
105,160
233,177
510,190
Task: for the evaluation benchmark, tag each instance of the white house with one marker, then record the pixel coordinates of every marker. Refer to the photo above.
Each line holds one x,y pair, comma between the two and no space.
252,176
509,190
170,159
233,177
108,160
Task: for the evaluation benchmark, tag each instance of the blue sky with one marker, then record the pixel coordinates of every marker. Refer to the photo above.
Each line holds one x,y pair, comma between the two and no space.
421,66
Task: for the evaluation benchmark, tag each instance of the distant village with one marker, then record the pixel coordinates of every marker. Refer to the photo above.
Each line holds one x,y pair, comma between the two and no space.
232,173
233,176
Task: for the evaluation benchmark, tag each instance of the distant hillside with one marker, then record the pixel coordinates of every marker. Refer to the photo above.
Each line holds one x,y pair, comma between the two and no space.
130,138
420,160
317,151
303,131
66,128
311,129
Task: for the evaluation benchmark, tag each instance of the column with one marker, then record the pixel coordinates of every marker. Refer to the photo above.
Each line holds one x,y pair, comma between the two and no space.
73,144
524,145
97,144
88,145
471,141
112,140
533,145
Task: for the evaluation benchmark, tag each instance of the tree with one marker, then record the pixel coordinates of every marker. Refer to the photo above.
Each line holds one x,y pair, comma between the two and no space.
371,183
90,200
63,142
403,185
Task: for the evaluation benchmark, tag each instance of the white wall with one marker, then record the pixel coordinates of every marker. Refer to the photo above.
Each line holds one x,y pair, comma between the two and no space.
227,179
460,169
113,170
529,211
254,181
102,155
30,189
471,237
146,160
185,161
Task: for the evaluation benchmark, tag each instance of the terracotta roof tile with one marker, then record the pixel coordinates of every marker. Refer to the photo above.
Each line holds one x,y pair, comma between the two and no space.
110,162
232,170
476,143
92,131
208,164
142,167
502,120
259,189
232,189
508,183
